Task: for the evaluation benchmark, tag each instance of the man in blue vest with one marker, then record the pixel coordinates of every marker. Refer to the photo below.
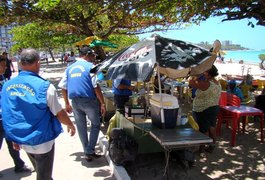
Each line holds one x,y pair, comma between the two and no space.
19,163
32,114
87,100
122,90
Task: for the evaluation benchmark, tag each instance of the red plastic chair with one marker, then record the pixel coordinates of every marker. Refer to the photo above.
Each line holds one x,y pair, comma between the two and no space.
226,99
233,100
223,99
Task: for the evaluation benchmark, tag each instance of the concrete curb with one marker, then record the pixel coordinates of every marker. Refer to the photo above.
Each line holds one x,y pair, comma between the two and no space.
119,171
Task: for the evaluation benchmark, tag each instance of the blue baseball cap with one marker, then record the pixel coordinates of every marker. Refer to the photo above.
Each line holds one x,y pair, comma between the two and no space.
232,81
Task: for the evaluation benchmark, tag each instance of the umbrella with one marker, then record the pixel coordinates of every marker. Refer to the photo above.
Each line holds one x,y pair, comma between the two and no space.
93,41
86,41
173,58
102,43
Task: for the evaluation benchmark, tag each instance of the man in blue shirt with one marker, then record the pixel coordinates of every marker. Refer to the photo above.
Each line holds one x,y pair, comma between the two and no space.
87,100
19,163
122,90
32,114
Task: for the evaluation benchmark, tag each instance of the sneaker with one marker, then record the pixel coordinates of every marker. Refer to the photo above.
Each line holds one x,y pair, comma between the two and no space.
90,157
23,169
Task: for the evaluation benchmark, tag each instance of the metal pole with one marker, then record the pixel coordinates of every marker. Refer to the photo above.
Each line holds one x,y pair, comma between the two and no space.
161,101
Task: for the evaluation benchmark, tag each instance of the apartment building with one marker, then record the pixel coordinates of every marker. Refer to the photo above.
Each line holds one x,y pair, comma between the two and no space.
5,38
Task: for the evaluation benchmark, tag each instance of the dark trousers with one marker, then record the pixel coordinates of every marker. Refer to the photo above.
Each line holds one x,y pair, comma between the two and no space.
43,164
120,101
19,163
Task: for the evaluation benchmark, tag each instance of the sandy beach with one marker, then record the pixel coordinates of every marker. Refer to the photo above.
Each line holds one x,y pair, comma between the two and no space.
236,69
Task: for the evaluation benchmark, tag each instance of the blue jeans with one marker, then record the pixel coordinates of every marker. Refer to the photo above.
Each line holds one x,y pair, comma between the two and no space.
82,108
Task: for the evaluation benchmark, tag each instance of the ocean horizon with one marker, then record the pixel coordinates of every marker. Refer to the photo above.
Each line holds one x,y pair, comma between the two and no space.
248,56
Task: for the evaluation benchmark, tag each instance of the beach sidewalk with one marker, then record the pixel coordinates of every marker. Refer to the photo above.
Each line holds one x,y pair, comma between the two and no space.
69,162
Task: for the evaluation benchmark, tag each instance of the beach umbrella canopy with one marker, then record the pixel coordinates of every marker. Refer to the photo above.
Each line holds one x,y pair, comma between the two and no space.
173,58
86,41
97,42
93,41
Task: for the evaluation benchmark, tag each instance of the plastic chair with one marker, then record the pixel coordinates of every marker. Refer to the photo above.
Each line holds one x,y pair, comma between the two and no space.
223,99
233,100
260,85
223,84
226,99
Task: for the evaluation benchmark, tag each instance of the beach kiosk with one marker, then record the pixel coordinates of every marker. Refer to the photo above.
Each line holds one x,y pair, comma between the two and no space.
174,59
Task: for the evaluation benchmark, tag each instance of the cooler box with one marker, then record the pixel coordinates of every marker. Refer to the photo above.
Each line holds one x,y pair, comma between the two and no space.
170,106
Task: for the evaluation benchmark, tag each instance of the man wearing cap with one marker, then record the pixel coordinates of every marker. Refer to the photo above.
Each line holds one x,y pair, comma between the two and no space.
233,89
32,114
87,99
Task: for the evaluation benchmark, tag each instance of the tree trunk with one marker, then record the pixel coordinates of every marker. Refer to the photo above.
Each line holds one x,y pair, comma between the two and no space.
101,53
51,53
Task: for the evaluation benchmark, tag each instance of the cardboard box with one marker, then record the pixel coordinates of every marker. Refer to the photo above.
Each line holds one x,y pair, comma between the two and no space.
134,111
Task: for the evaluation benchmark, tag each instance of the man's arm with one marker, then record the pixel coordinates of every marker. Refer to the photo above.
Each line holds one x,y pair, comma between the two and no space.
123,86
101,99
68,106
64,119
57,110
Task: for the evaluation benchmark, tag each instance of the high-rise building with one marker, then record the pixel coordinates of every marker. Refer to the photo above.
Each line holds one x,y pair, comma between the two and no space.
5,38
227,43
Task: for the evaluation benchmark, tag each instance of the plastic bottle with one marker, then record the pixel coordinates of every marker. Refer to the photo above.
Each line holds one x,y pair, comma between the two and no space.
184,119
135,100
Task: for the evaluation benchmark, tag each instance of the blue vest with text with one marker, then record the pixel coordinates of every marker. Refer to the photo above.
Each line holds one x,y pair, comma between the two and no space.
122,92
26,117
79,83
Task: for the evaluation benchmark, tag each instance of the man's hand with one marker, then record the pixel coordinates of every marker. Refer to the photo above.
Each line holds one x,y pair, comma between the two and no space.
68,108
103,109
16,146
71,129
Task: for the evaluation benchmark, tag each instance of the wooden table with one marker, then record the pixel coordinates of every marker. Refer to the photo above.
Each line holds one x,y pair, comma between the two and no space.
243,111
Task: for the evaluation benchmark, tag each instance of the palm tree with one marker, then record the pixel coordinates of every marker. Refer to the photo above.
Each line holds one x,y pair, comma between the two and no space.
262,58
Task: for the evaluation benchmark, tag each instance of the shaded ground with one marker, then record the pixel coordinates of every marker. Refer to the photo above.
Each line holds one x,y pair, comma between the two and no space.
244,161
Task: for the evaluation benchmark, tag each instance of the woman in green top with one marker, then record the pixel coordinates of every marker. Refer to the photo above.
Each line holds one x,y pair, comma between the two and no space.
206,103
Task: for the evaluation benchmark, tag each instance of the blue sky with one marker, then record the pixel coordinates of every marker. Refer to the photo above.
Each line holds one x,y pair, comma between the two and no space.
236,31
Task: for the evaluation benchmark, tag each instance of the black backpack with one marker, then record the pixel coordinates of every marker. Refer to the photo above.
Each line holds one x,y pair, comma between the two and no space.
122,148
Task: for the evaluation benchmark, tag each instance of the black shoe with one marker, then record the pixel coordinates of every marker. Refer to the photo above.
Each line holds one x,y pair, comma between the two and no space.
1,175
23,169
210,148
90,157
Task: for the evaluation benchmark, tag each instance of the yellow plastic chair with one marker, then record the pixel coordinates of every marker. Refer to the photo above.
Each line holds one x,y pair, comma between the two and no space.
223,84
260,85
109,83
